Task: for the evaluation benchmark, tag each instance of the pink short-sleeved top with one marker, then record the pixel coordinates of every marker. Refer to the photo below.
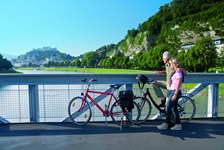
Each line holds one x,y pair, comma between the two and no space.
176,75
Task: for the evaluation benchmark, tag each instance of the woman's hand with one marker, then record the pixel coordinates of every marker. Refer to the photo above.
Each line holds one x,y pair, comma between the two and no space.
174,97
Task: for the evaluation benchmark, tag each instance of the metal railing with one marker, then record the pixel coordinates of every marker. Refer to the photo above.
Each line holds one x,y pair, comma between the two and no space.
45,97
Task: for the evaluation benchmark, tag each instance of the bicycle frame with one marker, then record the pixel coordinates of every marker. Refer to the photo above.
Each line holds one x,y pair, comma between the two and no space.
147,93
81,105
106,111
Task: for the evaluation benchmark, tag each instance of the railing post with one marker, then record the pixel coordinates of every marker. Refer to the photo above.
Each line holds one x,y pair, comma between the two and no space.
33,103
213,93
128,86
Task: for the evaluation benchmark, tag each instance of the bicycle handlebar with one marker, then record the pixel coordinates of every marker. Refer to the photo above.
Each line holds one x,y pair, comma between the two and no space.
142,79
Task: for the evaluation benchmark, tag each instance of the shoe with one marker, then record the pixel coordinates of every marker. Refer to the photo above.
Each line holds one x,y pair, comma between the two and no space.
163,102
163,126
177,127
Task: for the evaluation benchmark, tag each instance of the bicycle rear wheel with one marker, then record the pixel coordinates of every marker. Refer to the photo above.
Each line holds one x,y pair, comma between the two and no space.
79,111
127,118
186,108
144,107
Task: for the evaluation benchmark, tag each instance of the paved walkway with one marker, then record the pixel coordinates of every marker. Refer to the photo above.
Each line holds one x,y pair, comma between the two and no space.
200,134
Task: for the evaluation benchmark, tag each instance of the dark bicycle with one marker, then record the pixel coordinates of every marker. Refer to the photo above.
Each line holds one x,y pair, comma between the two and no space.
186,105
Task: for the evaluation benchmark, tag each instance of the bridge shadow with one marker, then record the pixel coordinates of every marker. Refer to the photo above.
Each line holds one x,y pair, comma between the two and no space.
204,128
198,129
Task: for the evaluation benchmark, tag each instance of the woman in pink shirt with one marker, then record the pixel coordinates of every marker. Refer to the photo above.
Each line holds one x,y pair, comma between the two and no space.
174,95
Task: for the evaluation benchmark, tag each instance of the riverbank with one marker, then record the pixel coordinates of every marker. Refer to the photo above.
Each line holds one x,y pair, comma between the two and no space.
9,71
94,70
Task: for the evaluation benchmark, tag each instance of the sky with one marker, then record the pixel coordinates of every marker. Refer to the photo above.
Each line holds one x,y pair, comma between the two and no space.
72,26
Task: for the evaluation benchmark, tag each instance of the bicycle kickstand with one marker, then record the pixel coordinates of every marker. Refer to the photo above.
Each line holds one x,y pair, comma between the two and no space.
122,117
106,121
106,116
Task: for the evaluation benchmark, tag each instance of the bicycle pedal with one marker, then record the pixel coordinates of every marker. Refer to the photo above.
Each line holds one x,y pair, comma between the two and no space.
162,115
162,106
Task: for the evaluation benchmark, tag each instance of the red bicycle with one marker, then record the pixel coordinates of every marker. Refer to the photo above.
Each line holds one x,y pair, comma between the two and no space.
80,112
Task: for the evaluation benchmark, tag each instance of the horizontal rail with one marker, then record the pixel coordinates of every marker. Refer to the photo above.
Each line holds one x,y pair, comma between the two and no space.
29,79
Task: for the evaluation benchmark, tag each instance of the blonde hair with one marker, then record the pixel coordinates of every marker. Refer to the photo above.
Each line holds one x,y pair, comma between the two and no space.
175,62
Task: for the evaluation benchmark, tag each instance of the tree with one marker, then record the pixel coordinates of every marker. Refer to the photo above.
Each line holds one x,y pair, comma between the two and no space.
102,63
108,63
91,59
132,33
67,63
202,55
221,58
125,62
5,64
117,62
138,60
182,57
77,63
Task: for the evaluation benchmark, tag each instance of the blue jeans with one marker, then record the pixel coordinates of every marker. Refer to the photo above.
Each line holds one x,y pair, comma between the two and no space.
171,107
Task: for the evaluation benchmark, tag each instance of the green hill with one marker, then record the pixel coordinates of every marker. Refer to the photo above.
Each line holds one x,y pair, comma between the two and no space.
41,56
198,23
175,24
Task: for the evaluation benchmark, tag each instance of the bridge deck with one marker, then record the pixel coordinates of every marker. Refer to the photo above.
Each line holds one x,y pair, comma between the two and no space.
201,134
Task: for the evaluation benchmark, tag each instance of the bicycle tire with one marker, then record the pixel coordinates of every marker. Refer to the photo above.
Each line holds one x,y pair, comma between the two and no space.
186,108
127,118
145,108
78,114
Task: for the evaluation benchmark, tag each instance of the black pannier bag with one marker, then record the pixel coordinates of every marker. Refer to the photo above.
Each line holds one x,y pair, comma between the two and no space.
142,79
126,99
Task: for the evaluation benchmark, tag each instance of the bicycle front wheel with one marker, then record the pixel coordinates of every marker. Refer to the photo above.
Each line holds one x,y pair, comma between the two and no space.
79,111
127,118
186,108
144,107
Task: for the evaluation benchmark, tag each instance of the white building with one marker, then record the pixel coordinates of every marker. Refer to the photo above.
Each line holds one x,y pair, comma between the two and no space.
219,43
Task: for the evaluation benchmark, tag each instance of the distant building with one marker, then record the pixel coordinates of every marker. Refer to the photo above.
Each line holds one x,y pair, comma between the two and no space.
45,49
187,46
219,43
